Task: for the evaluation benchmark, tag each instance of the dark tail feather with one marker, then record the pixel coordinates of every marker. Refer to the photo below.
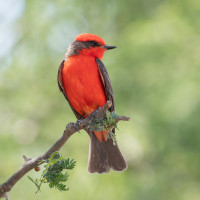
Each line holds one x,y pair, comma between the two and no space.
104,155
115,159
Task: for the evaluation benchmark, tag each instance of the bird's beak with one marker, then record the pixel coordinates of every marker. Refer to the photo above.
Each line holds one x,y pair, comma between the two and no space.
109,47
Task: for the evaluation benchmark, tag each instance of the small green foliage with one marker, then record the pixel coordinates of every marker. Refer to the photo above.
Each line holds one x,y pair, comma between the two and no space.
52,173
107,124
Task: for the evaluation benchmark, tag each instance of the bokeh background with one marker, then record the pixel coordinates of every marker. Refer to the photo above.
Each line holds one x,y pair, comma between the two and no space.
155,76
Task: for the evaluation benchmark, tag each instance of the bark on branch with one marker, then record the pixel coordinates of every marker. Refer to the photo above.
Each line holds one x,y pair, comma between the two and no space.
70,129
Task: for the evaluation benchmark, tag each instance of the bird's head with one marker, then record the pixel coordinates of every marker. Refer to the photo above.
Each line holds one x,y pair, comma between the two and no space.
88,44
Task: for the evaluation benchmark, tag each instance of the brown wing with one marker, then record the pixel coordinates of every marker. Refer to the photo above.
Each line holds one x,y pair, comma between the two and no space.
61,87
106,82
104,156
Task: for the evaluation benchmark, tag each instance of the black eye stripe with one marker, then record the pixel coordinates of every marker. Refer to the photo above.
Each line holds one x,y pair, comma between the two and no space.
94,43
77,46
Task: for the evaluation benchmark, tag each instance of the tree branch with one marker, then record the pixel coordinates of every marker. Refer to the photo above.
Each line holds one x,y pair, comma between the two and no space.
70,129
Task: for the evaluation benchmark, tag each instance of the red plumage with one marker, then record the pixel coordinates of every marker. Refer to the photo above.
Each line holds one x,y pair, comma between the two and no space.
85,83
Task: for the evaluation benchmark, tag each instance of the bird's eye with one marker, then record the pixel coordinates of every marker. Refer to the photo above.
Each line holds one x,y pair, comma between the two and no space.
93,43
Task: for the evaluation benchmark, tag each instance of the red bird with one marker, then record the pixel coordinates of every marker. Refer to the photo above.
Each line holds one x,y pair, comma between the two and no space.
84,81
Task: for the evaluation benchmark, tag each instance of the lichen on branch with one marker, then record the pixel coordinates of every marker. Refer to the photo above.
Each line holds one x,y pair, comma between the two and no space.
70,129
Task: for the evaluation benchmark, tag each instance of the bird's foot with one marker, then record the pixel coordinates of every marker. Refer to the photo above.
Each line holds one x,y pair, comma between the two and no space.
93,114
76,125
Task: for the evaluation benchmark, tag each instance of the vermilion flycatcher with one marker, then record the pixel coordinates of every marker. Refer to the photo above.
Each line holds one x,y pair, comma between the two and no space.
84,81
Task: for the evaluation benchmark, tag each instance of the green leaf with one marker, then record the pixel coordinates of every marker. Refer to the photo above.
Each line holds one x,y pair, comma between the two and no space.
53,155
52,173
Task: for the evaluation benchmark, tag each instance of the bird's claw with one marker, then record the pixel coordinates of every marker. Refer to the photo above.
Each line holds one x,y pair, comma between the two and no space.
76,125
93,114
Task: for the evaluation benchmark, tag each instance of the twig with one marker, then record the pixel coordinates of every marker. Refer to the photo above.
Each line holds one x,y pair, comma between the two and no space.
6,196
70,129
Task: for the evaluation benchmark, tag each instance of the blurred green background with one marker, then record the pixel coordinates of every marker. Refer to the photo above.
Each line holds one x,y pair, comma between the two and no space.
155,76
